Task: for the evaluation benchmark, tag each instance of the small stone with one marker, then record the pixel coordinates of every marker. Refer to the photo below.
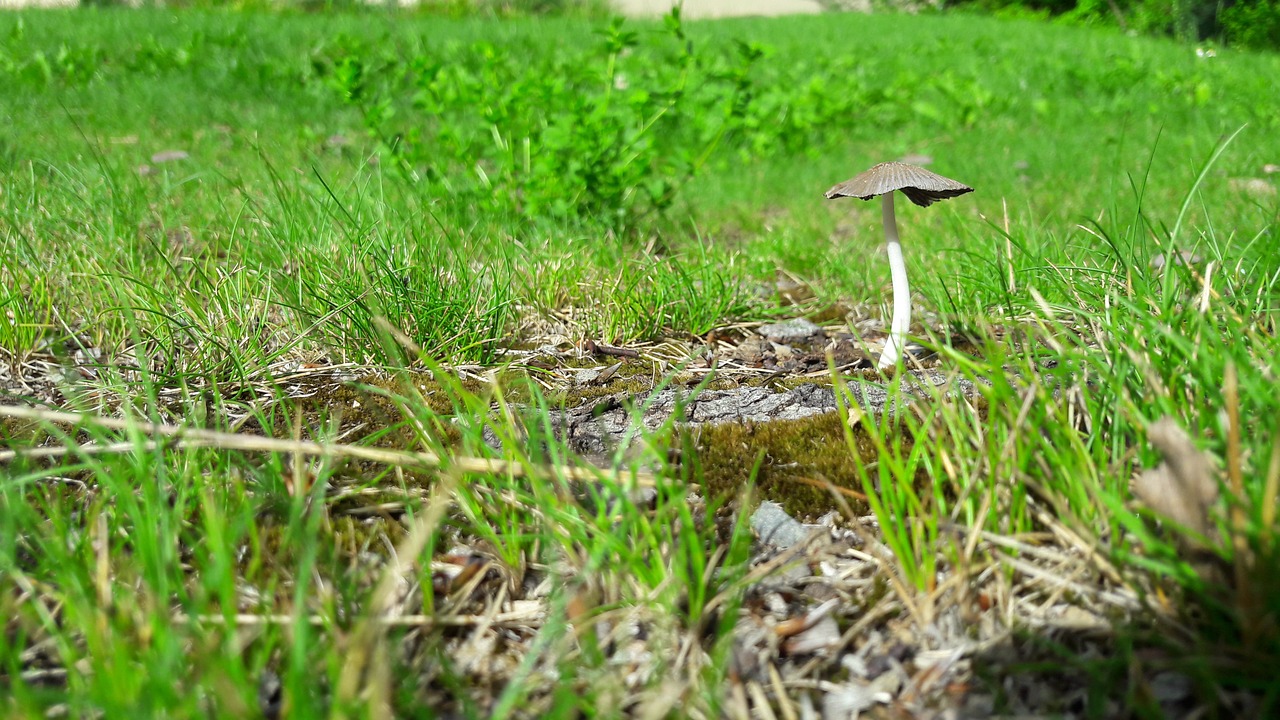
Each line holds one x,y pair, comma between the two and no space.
777,528
1075,618
751,350
169,156
868,326
270,694
791,331
1170,687
1186,257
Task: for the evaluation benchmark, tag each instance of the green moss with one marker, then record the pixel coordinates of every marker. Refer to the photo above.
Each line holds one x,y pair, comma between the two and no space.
336,408
788,452
791,383
22,432
578,396
364,413
347,548
633,377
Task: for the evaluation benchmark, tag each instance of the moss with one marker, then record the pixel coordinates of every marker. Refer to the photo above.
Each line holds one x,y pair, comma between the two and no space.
795,456
791,383
788,452
580,395
723,383
22,432
370,403
835,312
363,413
337,408
347,548
633,377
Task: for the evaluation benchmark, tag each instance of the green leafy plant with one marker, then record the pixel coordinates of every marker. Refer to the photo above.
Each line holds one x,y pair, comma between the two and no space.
599,138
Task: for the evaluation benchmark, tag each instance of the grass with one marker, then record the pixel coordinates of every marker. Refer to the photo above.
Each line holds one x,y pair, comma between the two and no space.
377,212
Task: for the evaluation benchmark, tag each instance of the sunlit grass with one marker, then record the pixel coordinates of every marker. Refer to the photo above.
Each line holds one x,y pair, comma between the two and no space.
295,235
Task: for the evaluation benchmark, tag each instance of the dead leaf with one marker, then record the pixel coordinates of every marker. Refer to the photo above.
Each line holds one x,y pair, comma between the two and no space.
821,636
606,374
1183,487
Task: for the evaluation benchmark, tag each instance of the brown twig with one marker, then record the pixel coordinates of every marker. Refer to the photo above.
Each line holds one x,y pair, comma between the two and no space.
505,620
1271,490
195,437
595,348
1242,558
829,487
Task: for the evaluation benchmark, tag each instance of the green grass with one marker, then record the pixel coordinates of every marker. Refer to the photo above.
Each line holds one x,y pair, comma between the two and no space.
497,184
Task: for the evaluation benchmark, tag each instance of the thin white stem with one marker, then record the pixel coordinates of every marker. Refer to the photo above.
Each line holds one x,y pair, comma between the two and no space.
901,322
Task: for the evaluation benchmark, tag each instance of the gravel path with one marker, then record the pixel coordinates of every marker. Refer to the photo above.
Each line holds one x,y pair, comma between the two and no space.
719,8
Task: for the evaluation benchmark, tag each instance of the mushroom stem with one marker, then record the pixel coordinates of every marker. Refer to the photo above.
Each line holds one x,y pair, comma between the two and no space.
901,291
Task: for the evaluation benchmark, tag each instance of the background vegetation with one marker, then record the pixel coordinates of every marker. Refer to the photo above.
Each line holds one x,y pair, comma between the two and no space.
1248,23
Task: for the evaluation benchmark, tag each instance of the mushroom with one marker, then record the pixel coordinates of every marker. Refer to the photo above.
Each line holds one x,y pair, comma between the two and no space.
922,188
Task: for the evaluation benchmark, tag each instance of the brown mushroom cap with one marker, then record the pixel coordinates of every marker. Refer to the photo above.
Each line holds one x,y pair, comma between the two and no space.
919,185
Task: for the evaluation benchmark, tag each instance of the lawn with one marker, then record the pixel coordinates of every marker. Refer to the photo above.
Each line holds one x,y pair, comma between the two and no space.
382,364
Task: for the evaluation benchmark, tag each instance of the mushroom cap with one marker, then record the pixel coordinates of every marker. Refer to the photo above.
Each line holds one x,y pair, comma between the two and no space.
919,185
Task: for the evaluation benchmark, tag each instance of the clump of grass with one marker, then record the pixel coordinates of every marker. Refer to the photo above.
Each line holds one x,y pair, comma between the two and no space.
26,312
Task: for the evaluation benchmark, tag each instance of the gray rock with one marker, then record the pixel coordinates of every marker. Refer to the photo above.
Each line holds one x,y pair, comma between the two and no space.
792,330
600,426
1185,257
775,527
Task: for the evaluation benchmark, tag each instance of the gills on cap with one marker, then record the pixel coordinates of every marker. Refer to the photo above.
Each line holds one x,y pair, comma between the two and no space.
919,185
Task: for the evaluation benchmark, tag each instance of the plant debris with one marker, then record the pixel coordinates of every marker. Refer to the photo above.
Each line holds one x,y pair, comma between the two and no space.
1184,487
